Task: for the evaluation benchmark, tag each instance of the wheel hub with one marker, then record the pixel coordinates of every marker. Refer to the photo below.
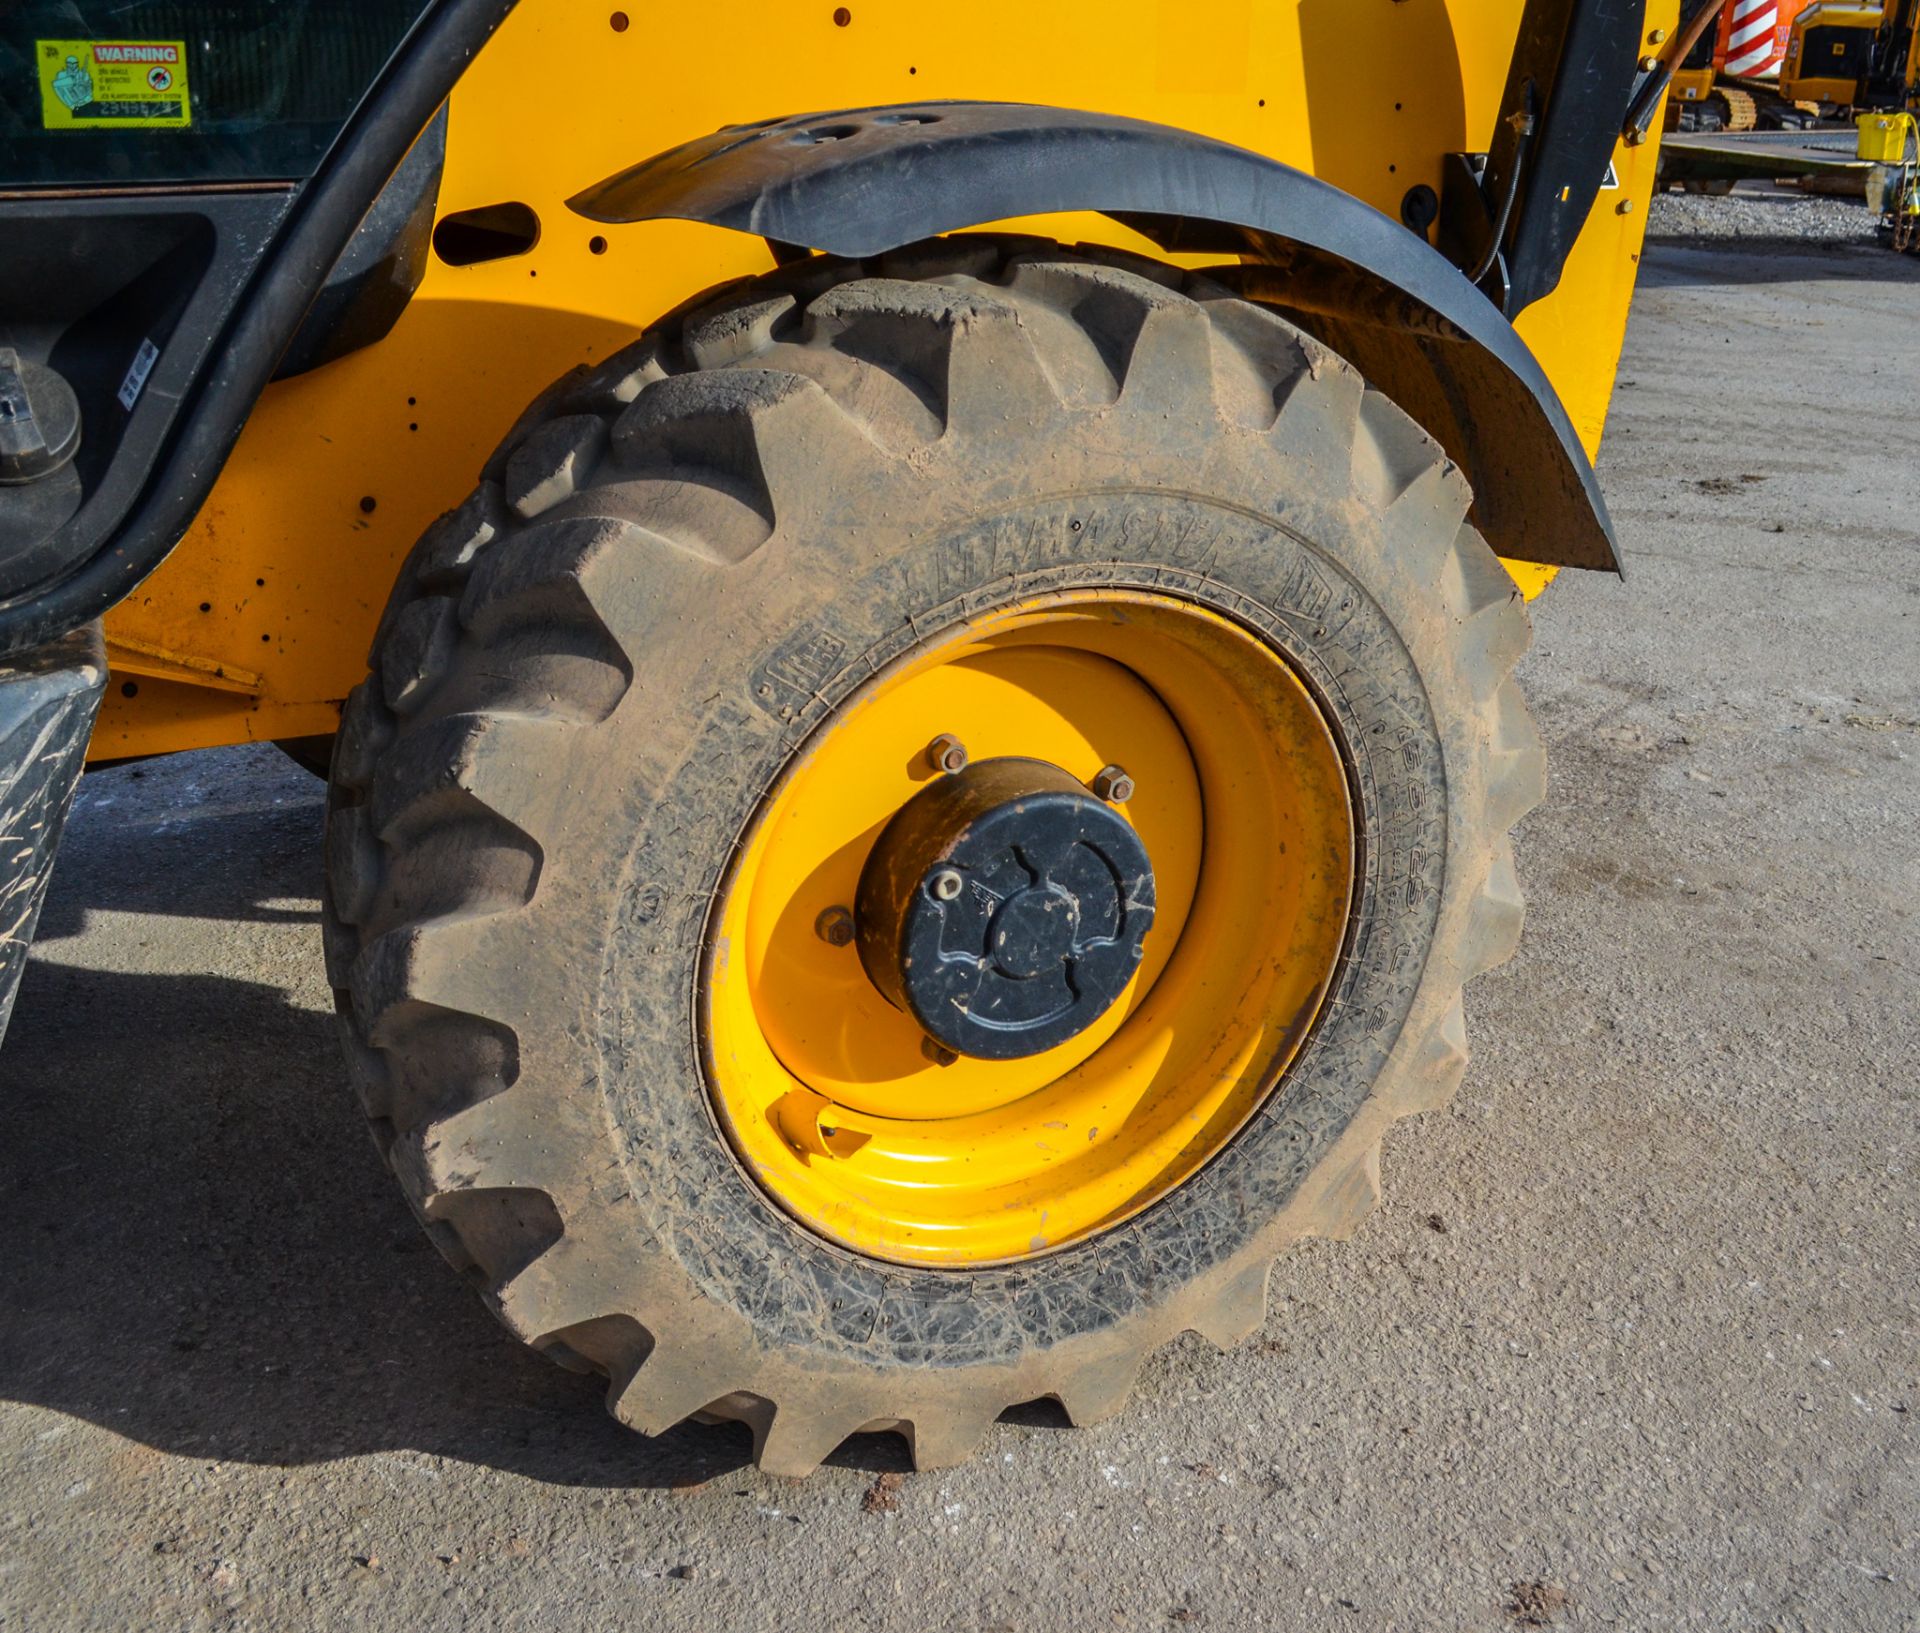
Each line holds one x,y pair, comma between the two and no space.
1004,907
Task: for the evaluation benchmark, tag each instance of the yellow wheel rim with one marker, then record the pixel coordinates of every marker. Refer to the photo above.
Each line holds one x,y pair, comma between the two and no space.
826,1091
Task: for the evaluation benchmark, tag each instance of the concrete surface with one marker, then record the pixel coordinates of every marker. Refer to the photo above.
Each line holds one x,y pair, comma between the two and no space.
1632,1343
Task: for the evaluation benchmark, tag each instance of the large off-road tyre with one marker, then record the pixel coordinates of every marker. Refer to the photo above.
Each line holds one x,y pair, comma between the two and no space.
682,573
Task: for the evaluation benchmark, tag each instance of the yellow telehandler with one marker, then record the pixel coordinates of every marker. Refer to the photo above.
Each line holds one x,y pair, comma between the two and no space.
917,698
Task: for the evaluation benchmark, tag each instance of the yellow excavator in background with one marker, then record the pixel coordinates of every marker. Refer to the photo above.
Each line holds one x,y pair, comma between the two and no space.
1853,58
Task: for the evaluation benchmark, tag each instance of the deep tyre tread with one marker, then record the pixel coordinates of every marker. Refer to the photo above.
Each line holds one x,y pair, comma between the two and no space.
544,639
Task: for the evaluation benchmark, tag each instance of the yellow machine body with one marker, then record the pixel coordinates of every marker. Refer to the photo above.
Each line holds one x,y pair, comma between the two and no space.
1829,46
1691,85
258,624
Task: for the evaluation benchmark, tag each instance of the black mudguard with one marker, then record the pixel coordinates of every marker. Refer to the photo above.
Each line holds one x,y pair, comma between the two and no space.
867,180
48,698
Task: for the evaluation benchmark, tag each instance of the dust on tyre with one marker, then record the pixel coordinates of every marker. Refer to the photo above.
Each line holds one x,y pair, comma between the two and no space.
645,706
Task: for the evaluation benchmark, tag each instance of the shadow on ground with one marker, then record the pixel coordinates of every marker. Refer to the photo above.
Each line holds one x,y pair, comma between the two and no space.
203,1250
205,1254
232,839
1701,262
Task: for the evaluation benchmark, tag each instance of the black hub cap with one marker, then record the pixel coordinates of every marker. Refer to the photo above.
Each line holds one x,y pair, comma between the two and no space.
1003,907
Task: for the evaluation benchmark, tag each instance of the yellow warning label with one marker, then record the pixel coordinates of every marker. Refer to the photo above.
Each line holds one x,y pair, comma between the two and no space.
112,84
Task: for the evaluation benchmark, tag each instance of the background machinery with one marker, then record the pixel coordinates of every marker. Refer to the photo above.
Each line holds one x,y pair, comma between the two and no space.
1729,79
1853,59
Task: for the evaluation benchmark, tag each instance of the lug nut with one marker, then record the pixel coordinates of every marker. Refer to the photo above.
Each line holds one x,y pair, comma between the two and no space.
947,753
835,927
1112,784
946,885
937,1052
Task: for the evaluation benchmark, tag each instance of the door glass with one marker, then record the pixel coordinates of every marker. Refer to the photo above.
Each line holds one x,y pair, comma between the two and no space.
123,92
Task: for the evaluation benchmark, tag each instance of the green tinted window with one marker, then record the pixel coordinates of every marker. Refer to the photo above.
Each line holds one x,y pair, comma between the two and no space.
235,90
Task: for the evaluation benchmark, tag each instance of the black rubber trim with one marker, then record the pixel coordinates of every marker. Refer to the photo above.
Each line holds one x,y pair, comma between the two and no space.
863,181
381,267
322,221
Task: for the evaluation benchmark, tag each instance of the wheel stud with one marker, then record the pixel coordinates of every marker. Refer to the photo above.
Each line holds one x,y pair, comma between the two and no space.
937,1052
947,753
835,927
946,885
1112,784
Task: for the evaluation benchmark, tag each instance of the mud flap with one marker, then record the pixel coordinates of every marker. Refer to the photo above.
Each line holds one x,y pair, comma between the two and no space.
48,699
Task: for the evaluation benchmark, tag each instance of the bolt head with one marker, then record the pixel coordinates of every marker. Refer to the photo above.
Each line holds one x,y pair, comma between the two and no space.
1112,784
835,927
947,753
937,1052
946,885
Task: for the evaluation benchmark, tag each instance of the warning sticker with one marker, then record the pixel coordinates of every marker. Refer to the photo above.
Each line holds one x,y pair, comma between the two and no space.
112,84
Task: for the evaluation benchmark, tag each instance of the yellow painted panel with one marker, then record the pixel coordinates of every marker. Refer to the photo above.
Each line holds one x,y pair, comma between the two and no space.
283,574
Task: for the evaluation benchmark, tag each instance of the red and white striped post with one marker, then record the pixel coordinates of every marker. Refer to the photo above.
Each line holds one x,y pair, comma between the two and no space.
1753,37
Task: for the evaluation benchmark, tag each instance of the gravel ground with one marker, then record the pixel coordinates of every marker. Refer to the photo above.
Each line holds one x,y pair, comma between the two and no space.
1763,212
1633,1342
